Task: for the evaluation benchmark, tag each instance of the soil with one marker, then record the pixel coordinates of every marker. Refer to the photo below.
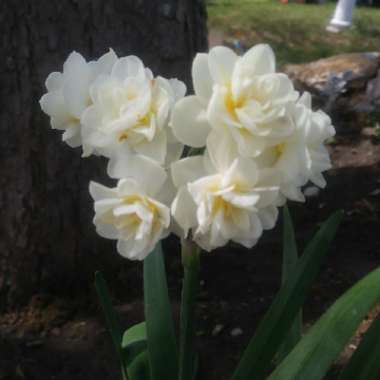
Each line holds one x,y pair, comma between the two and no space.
66,339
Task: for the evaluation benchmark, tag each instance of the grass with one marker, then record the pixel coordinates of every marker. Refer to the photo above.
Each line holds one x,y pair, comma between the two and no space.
295,31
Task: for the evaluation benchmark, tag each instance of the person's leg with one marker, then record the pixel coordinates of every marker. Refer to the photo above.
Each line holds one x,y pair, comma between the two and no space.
342,17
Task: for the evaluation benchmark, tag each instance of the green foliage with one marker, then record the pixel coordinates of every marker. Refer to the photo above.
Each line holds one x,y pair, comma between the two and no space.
365,363
111,320
134,342
162,348
315,353
289,264
276,323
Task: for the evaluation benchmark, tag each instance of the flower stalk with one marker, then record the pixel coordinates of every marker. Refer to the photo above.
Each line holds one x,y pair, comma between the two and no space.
187,357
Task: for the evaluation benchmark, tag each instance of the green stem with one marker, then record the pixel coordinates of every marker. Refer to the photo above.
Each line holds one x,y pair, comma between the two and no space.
190,262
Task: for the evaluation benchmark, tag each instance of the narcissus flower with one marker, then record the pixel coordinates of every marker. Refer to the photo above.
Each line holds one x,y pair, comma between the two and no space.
69,93
223,197
243,96
133,213
262,141
130,112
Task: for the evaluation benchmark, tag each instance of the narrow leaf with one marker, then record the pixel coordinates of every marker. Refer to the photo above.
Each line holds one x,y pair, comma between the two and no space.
134,343
365,363
139,368
162,350
111,319
289,264
273,328
315,353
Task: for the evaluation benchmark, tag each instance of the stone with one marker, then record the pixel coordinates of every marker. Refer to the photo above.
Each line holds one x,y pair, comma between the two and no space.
217,329
345,86
237,331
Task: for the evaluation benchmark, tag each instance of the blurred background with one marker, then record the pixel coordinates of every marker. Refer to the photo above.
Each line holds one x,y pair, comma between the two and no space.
51,326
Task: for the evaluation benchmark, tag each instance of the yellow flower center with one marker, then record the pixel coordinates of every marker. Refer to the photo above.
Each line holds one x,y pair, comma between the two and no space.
231,104
279,150
220,204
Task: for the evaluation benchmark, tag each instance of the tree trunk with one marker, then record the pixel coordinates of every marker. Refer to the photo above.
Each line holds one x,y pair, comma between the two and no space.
47,240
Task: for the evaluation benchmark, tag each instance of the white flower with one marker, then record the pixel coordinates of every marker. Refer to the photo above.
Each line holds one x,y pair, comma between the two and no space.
302,156
129,114
223,197
133,212
241,95
68,93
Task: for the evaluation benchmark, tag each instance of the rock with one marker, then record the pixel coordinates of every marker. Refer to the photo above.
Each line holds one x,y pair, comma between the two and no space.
237,331
375,192
343,85
217,329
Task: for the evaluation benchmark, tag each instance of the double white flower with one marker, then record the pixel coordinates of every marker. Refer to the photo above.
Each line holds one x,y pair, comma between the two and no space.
243,96
134,212
130,113
223,196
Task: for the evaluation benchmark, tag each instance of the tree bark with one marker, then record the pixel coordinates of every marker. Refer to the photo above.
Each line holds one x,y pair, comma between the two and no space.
47,240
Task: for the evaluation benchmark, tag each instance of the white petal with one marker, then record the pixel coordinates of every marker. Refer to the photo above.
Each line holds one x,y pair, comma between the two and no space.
107,231
202,80
183,210
130,66
134,249
174,153
119,162
305,99
54,81
221,64
76,85
259,60
189,122
155,149
53,105
99,191
244,173
167,193
104,64
128,186
268,217
187,170
72,136
147,173
221,149
178,87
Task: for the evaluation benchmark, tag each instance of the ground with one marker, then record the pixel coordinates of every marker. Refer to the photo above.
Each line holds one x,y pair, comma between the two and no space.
65,339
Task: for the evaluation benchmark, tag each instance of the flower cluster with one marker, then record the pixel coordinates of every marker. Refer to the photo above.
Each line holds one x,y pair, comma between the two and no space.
260,142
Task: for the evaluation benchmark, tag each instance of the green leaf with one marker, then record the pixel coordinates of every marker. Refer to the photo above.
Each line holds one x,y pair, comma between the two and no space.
134,342
134,334
365,363
276,323
187,356
162,350
289,264
315,353
139,368
111,319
